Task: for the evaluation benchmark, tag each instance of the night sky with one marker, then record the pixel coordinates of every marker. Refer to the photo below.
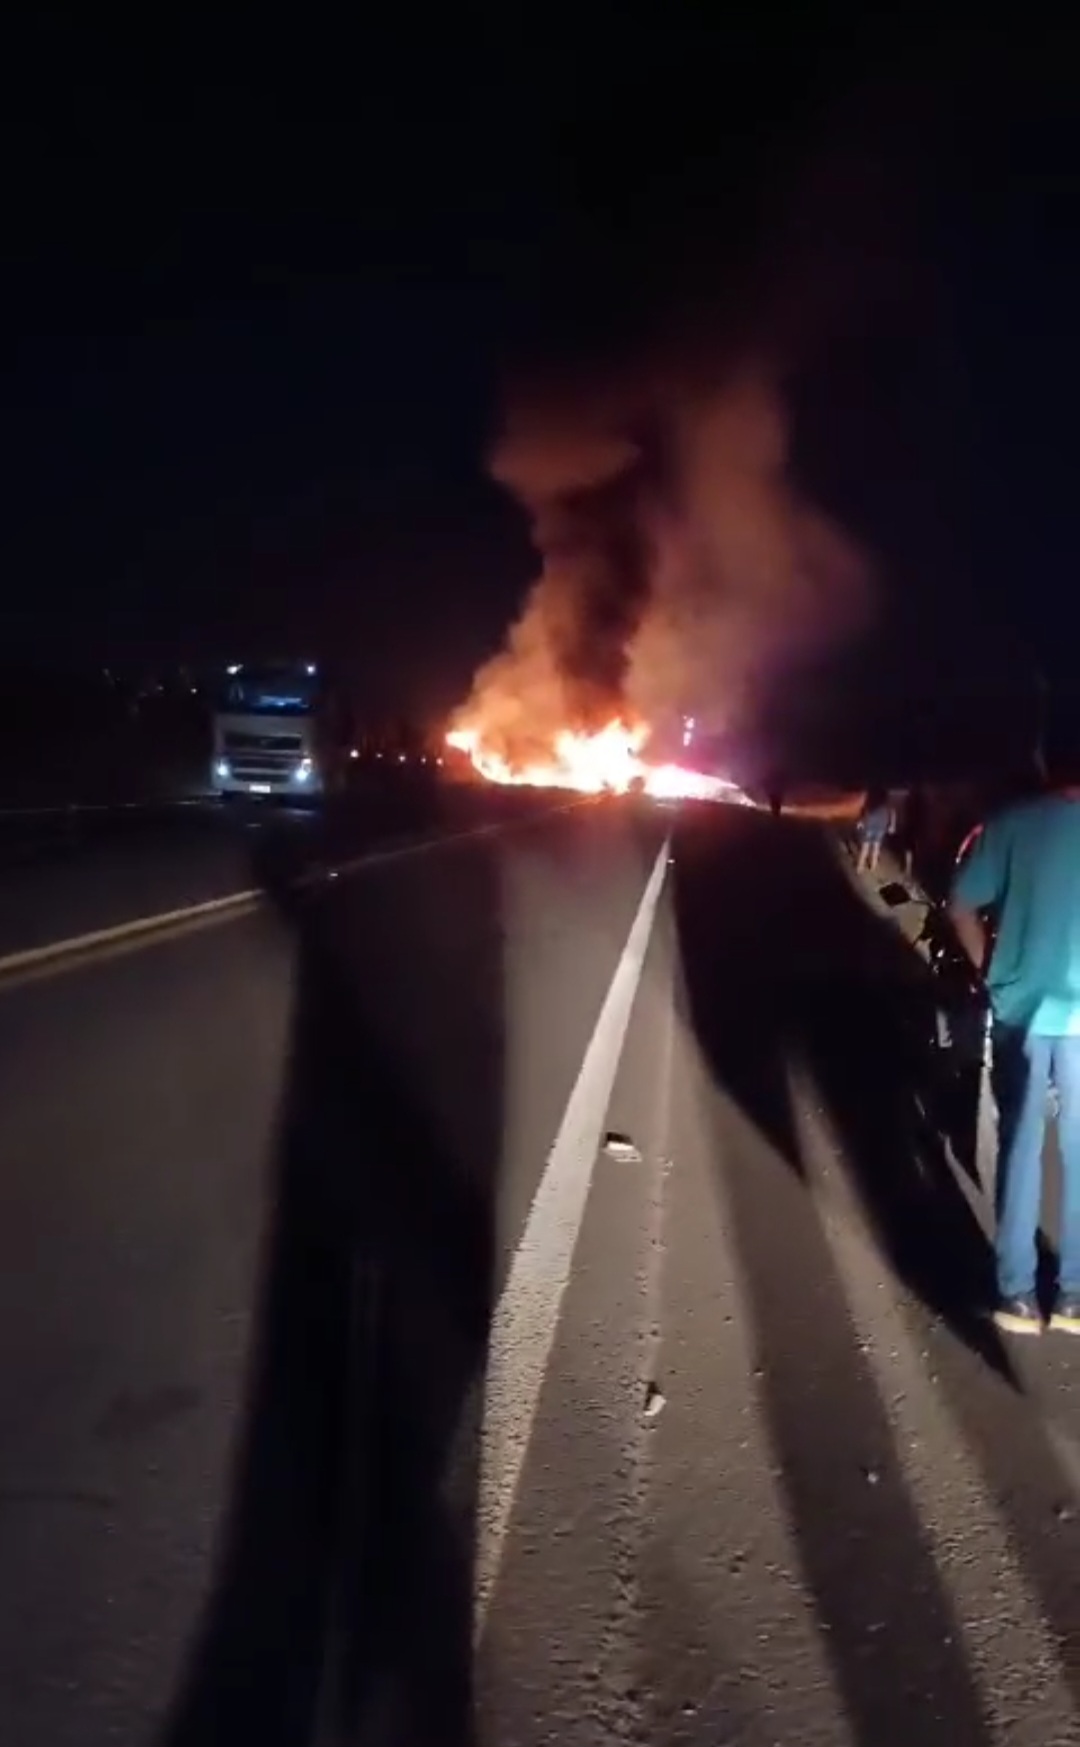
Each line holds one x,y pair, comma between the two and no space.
261,292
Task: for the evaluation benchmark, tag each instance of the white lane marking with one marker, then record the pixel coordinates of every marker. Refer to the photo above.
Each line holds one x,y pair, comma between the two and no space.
75,944
523,1328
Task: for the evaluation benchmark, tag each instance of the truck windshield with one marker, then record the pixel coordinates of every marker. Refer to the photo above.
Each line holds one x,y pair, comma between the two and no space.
271,691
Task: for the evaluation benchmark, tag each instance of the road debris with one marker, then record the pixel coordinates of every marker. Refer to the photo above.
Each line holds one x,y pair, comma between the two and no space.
621,1148
655,1401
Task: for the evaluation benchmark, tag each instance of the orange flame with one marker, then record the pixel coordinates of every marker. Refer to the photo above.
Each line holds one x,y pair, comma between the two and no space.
606,761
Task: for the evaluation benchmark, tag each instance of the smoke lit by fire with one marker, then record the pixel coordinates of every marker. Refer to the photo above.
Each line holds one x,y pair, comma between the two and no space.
682,571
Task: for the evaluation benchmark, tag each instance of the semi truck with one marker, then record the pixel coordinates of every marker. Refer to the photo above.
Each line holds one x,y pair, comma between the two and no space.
279,730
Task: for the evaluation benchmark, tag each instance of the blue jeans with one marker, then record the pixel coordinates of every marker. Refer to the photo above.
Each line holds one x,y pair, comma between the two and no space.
1024,1068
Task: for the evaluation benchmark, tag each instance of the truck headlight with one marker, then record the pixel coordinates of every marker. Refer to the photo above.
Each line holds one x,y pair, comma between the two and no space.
304,771
223,770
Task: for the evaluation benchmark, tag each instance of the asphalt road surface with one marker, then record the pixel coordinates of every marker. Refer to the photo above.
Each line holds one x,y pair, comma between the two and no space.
506,1283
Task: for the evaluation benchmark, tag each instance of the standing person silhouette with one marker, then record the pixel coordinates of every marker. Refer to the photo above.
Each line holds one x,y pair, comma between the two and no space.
875,823
1022,872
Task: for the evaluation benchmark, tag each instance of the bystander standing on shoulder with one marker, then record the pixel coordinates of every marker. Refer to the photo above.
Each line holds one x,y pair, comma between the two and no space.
874,825
1022,875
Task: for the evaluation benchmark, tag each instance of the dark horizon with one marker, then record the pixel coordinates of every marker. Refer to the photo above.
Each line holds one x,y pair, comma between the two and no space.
259,335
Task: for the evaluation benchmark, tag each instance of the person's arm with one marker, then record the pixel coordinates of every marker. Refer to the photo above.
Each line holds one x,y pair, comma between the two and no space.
979,885
970,932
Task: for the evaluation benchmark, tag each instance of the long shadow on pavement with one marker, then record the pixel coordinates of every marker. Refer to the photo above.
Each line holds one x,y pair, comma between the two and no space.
343,1602
783,964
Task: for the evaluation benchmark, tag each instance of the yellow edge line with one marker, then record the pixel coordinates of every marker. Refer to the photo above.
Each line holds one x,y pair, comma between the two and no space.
72,945
35,955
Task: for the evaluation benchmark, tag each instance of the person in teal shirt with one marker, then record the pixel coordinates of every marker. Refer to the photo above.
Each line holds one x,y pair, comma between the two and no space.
1023,872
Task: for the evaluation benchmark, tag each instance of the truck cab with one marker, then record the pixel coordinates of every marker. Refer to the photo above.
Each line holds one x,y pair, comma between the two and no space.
278,731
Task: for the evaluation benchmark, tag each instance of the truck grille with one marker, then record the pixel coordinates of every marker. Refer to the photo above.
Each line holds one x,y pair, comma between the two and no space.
285,744
263,770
